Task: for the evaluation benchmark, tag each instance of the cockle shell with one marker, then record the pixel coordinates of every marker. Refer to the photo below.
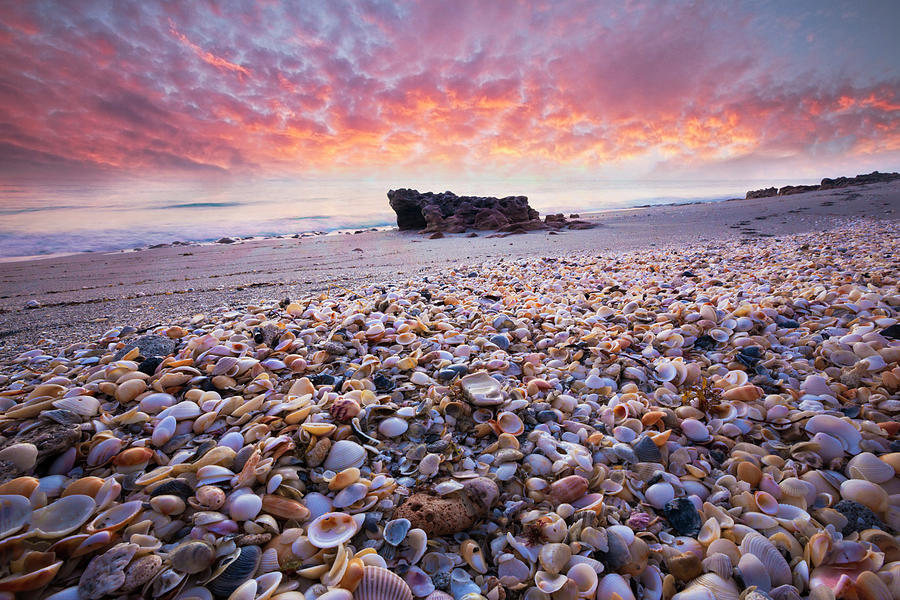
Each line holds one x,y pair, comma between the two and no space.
344,454
709,586
240,568
775,564
843,430
614,586
753,572
866,465
381,584
391,427
332,529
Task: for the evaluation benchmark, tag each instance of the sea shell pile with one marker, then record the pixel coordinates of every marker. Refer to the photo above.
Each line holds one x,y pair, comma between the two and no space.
715,423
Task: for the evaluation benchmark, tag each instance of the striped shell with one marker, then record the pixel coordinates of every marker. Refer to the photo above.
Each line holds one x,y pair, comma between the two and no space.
381,584
778,568
869,467
345,454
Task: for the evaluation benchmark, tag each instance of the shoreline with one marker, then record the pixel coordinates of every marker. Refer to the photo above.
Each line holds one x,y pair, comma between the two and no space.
85,294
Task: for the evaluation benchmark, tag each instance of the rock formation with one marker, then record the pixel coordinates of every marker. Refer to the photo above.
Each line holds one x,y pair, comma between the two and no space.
827,184
448,213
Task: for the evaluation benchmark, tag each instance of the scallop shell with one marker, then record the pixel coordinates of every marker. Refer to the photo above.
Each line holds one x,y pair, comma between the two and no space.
332,529
709,586
345,454
718,563
15,513
381,584
869,467
775,564
63,516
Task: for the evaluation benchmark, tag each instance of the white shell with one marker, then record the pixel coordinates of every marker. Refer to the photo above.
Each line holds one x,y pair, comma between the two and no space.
775,564
848,435
658,494
331,530
343,455
869,467
694,430
245,507
614,584
392,427
482,390
15,513
63,516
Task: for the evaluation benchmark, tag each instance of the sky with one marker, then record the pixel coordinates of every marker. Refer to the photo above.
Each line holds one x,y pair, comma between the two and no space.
339,89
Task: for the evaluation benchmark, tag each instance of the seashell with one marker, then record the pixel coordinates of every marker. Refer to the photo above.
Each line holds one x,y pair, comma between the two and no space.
471,552
381,584
284,508
416,545
481,389
167,504
15,513
133,459
25,486
104,451
192,556
509,422
39,570
718,563
344,454
843,430
429,465
866,465
395,531
568,489
866,493
245,507
709,586
163,431
710,532
549,583
350,495
749,472
646,450
63,516
116,517
332,529
694,430
753,572
239,570
774,563
343,479
23,456
209,497
613,587
766,502
659,494
392,427
553,557
209,474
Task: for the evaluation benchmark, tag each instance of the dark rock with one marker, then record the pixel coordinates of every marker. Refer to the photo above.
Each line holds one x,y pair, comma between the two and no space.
501,341
892,332
704,342
448,213
763,193
149,345
683,516
149,365
859,517
225,240
382,382
436,235
782,321
51,439
873,177
789,190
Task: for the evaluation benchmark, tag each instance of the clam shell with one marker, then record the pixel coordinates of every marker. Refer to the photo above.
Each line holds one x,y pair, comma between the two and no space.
245,507
777,567
116,517
753,572
237,572
843,430
709,586
612,586
509,422
23,456
192,556
381,584
63,516
332,529
866,465
866,493
15,513
344,454
395,531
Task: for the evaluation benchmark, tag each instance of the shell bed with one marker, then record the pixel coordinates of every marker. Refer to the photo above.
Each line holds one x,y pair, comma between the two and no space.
713,423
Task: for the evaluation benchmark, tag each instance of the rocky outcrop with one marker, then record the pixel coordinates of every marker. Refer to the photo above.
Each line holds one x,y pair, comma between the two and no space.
827,184
763,193
448,213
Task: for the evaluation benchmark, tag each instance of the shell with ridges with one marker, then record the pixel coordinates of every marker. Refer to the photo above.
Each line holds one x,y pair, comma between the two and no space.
778,568
381,584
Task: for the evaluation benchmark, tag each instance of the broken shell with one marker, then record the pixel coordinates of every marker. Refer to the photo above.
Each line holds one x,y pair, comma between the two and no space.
481,389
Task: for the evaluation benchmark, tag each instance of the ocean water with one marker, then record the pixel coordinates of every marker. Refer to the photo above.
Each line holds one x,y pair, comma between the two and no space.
46,219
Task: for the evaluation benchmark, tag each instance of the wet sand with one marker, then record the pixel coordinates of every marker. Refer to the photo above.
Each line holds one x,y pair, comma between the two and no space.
87,294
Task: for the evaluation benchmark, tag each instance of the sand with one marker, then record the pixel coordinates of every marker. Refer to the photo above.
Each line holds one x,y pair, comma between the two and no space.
85,295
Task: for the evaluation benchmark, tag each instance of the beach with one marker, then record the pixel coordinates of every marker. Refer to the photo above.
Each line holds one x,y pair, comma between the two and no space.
682,402
87,294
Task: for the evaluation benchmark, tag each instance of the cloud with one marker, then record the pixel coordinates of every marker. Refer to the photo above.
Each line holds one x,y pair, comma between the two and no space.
466,87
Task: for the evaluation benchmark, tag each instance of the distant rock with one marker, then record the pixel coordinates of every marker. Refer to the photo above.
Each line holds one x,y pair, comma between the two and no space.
225,240
827,184
448,213
763,193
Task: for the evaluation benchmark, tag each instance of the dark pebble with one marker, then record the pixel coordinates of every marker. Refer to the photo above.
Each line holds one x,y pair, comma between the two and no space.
859,517
149,365
704,342
149,345
547,416
382,382
683,516
501,341
851,411
892,332
786,323
323,379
